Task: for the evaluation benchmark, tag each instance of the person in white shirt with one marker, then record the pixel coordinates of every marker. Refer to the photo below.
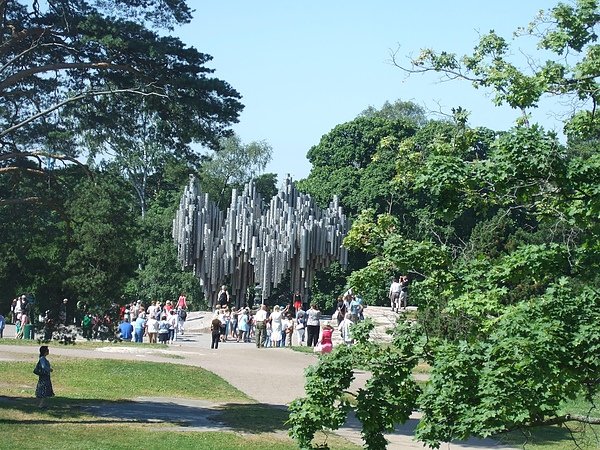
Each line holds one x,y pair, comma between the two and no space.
394,294
260,319
344,329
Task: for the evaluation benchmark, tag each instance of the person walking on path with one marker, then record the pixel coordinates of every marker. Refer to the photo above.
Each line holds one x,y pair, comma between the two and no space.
215,329
43,389
313,326
261,326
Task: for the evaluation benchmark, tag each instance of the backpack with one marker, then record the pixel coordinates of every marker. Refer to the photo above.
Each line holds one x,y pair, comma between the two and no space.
87,321
182,314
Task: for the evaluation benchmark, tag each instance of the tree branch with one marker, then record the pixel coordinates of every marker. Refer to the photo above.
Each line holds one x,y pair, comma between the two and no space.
12,80
26,169
18,201
73,99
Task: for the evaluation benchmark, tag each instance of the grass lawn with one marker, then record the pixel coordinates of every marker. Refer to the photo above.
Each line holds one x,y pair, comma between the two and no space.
80,343
85,385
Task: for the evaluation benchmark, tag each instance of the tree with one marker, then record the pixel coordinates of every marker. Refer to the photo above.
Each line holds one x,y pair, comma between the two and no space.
102,255
352,162
503,255
58,61
398,110
233,165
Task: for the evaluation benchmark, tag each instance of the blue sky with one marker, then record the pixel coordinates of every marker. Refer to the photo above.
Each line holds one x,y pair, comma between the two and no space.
305,67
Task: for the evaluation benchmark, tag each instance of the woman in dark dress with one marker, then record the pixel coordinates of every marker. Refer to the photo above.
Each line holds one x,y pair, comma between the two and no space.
43,370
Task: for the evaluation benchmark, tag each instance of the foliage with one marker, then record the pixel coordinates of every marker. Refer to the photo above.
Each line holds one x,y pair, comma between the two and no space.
388,397
326,282
159,275
103,252
498,233
398,110
350,156
61,58
234,165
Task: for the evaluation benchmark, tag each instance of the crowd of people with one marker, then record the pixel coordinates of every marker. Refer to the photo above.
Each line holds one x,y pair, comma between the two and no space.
279,326
284,326
157,323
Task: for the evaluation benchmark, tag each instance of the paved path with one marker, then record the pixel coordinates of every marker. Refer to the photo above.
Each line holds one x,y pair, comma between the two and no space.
271,376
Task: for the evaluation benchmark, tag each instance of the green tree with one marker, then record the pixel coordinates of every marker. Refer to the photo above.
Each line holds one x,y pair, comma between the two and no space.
60,58
502,249
102,254
398,110
352,162
233,165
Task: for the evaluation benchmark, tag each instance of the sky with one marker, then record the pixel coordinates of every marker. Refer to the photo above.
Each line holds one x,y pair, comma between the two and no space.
303,67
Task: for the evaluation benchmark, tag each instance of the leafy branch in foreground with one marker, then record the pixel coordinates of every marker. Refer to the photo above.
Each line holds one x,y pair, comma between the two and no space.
387,398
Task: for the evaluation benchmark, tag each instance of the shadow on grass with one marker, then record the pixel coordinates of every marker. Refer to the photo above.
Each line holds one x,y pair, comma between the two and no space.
254,418
189,414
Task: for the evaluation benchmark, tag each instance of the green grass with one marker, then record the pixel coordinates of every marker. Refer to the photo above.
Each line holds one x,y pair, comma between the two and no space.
80,344
99,437
80,384
114,379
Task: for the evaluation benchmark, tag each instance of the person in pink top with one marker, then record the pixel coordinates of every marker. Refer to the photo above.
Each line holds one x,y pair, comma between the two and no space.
325,344
181,303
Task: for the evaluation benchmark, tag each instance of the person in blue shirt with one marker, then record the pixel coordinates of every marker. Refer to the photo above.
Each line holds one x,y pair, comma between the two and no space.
2,324
126,330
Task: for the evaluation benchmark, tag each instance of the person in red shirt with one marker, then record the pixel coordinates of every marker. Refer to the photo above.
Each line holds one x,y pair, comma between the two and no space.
182,302
297,301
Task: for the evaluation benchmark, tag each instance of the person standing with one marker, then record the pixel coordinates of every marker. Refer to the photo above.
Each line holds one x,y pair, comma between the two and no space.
62,312
215,330
182,302
244,326
140,327
297,298
313,325
276,327
13,314
152,329
344,328
173,320
43,389
163,330
394,294
223,298
404,292
2,325
341,310
126,330
288,330
261,326
300,325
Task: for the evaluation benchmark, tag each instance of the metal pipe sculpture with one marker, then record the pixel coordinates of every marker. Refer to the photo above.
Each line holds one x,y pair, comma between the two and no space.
256,245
